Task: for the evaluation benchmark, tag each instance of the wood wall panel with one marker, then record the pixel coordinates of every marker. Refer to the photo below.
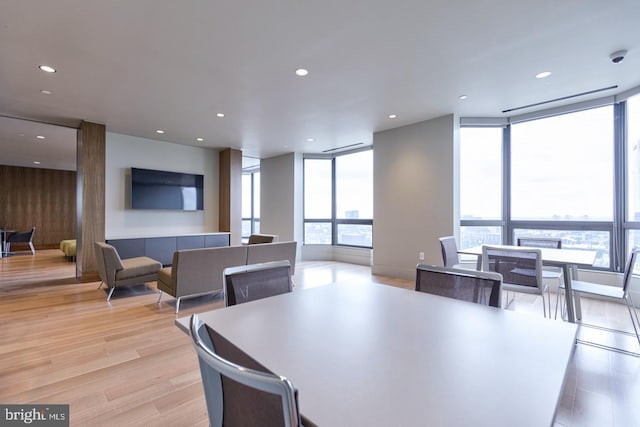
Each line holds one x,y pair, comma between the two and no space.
91,187
43,198
230,194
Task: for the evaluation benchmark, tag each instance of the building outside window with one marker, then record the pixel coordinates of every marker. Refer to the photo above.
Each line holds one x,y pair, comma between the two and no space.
338,199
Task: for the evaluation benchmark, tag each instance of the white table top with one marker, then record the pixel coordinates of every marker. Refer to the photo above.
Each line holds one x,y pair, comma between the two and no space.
576,257
375,355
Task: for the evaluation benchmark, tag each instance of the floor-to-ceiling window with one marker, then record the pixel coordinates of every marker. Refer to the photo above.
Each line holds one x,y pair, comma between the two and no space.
338,199
250,203
550,176
481,186
562,173
632,217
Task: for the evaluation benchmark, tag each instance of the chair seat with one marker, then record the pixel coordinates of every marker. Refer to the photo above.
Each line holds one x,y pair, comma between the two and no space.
139,266
533,290
596,289
551,274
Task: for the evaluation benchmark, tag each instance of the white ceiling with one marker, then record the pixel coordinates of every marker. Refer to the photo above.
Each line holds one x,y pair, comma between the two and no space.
143,65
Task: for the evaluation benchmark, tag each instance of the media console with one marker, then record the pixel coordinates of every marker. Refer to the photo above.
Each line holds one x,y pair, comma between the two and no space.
162,248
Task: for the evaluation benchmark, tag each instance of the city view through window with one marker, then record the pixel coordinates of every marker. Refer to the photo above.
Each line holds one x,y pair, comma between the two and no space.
561,181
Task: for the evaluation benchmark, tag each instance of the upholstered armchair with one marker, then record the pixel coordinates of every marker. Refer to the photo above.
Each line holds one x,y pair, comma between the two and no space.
116,272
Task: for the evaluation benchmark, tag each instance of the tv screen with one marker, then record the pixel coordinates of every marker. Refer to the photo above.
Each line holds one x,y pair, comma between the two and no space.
152,189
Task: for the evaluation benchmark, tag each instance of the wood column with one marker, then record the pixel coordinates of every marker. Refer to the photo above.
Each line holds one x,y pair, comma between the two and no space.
90,196
230,193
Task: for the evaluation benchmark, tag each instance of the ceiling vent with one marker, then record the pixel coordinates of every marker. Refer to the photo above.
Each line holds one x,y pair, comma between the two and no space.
537,104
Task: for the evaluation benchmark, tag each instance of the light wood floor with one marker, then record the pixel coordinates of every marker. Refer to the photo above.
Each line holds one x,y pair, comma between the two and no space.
126,364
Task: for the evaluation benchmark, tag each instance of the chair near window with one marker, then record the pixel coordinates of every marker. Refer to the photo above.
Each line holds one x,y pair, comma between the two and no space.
462,284
631,273
521,270
256,281
449,249
540,242
238,390
544,242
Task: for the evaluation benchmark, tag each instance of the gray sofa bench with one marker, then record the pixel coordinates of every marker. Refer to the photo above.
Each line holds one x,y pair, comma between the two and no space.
197,272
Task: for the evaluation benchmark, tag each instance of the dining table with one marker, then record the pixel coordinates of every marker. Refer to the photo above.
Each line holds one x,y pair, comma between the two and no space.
365,354
567,259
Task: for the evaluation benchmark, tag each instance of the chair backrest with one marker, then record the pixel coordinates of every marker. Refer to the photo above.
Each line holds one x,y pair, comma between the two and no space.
518,266
262,238
22,236
256,281
540,242
276,251
632,270
467,285
238,390
449,251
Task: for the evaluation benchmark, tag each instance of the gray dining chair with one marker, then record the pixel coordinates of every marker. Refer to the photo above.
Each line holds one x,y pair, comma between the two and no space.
544,242
462,284
631,276
521,270
540,242
449,249
238,390
256,281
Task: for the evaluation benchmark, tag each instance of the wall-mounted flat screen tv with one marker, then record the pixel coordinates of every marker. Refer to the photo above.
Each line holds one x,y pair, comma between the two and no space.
152,189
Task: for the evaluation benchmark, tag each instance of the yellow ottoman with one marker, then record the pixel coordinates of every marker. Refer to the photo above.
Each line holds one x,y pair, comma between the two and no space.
69,248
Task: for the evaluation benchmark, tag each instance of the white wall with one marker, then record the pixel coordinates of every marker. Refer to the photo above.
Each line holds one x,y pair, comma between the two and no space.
414,194
124,152
281,197
351,255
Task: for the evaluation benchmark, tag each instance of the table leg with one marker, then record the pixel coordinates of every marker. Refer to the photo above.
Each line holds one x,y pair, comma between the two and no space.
479,263
568,293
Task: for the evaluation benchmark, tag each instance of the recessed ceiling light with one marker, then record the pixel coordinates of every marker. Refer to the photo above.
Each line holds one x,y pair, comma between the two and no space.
310,139
302,72
46,92
36,163
199,139
393,116
40,137
220,115
543,74
160,131
47,68
463,97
